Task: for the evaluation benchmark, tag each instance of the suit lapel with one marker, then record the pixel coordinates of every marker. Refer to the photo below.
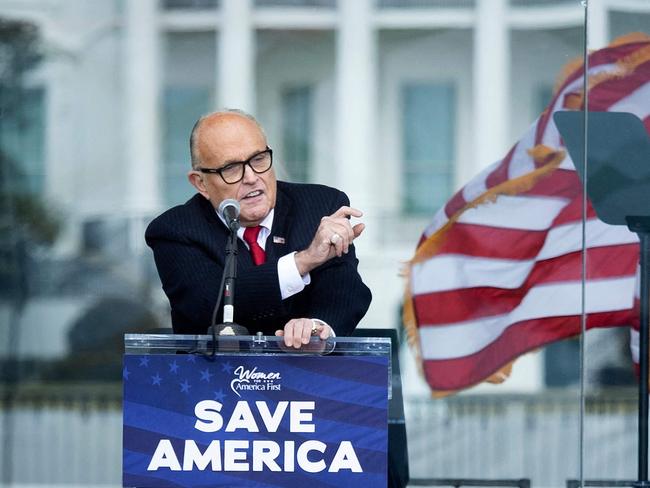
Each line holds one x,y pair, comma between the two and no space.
277,244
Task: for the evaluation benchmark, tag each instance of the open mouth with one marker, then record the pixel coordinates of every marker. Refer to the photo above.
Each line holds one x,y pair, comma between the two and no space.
252,194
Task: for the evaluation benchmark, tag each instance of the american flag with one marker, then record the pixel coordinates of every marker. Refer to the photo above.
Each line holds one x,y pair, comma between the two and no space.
498,271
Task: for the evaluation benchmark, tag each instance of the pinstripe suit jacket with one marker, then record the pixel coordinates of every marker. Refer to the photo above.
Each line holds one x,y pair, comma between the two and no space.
188,243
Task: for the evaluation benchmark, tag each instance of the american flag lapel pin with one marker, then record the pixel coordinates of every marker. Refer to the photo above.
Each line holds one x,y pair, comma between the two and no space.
278,240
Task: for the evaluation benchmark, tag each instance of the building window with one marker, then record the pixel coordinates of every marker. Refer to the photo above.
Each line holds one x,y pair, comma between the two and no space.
22,142
426,3
428,135
190,4
562,363
296,3
182,107
297,132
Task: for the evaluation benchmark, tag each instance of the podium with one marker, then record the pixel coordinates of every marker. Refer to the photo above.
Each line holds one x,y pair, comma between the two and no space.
252,412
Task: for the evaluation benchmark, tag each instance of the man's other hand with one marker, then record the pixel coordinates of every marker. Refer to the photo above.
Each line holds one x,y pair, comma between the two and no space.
297,332
333,238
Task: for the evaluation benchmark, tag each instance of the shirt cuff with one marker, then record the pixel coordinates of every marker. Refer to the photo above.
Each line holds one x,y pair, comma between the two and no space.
290,280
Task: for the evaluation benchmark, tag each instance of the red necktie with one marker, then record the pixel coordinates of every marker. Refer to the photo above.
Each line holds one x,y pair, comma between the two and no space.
250,236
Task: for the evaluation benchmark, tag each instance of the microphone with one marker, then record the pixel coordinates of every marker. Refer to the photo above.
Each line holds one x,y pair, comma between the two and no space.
229,211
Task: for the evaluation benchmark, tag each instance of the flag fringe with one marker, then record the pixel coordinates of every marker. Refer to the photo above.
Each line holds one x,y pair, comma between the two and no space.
577,64
623,67
629,38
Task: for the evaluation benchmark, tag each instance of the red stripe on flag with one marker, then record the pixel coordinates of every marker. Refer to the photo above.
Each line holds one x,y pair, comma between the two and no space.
607,93
456,203
455,374
500,173
597,58
503,243
605,56
612,54
573,212
563,183
455,306
462,305
493,242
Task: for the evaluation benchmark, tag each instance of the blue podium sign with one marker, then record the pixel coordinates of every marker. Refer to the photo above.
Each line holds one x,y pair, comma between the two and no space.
264,421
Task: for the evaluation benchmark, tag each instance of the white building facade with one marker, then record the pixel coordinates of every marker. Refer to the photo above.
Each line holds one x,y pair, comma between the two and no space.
396,102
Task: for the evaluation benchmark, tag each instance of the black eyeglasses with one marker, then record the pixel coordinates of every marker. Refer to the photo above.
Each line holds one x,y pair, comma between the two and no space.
234,172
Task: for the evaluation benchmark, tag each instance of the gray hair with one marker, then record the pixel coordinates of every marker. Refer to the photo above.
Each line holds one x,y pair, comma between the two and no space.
194,150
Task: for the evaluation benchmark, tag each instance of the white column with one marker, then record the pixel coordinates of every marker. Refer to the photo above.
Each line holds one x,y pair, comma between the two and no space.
141,106
490,80
355,107
597,26
235,72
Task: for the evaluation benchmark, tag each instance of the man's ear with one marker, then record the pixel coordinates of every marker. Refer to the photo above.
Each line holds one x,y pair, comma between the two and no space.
196,180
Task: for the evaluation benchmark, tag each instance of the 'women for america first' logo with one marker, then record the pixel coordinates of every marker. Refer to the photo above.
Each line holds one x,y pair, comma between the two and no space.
251,379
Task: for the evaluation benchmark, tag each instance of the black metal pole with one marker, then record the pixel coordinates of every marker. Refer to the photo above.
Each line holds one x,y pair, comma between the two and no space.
229,326
641,226
643,357
230,269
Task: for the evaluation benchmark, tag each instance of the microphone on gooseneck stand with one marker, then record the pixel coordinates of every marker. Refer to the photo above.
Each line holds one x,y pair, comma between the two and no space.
229,211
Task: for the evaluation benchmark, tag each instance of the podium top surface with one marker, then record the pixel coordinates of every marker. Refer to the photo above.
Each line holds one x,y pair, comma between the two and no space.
247,345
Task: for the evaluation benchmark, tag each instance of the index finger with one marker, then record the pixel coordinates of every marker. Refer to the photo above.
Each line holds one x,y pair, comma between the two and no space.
345,211
288,333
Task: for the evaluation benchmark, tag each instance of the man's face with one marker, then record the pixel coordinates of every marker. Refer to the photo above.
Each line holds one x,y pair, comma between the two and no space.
230,138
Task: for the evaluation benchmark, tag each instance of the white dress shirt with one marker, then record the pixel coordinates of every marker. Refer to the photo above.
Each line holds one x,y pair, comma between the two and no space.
290,280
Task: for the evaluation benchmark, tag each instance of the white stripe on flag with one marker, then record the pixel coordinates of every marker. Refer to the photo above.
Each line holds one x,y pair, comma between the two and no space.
439,220
522,163
477,186
454,271
551,136
635,103
516,212
463,339
567,162
567,238
451,272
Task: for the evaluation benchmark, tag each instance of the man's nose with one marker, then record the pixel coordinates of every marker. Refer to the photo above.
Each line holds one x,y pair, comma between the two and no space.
249,175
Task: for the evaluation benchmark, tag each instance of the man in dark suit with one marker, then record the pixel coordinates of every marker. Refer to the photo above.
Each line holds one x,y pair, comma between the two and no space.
297,270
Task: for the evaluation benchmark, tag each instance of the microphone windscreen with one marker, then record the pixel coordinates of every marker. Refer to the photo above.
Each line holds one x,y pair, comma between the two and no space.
229,208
